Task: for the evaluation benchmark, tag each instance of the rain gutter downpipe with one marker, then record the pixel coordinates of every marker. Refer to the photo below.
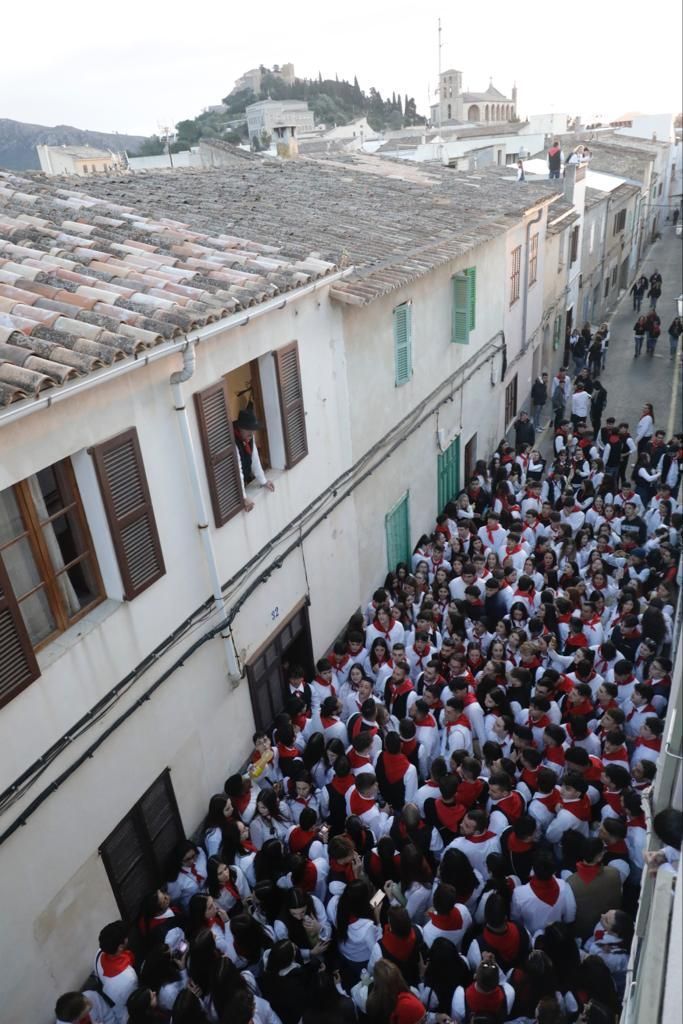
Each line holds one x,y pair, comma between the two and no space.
177,380
534,220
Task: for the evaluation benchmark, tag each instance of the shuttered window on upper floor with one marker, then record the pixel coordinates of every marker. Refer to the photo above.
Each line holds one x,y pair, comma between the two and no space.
291,403
403,343
220,453
128,505
18,666
464,306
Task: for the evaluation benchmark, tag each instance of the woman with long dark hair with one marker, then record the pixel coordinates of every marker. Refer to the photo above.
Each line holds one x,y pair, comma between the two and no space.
271,821
446,969
185,872
357,925
164,974
227,885
456,870
220,812
303,921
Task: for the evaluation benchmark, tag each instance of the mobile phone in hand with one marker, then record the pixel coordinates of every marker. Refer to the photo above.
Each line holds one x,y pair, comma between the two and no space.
377,898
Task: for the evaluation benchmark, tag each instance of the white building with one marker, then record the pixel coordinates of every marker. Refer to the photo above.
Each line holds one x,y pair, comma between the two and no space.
454,104
263,117
146,617
80,160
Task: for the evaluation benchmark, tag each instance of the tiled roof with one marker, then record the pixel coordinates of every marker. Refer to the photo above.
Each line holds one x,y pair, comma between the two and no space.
561,216
87,281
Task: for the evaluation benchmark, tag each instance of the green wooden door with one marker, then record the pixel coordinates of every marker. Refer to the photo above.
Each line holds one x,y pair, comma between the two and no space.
448,473
397,527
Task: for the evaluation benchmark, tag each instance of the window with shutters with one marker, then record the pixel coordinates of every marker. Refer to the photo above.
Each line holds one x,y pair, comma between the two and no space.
49,576
515,274
128,505
574,253
619,222
397,528
292,410
557,331
403,343
464,305
220,453
135,853
448,474
511,401
533,259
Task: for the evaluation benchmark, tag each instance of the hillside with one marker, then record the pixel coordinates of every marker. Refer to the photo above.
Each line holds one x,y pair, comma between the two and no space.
333,102
18,141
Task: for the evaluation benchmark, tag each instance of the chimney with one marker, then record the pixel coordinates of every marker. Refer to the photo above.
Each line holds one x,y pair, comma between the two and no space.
286,143
569,181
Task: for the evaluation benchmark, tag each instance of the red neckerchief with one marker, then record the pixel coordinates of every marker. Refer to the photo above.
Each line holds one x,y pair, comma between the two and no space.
361,804
395,766
397,691
655,744
580,808
342,784
468,793
555,755
357,727
300,839
490,532
618,755
480,837
327,723
627,682
529,777
550,800
339,663
115,963
287,753
428,722
357,760
450,922
540,723
584,707
548,891
594,770
399,948
419,664
408,747
511,806
617,848
576,640
386,633
301,720
345,870
310,877
587,872
613,799
328,685
491,1004
449,815
637,822
506,943
517,845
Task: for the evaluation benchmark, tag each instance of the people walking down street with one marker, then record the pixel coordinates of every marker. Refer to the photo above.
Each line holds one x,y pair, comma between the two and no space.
595,355
581,405
603,331
554,160
655,289
525,433
645,429
675,331
639,332
598,403
562,389
580,351
654,329
638,290
539,397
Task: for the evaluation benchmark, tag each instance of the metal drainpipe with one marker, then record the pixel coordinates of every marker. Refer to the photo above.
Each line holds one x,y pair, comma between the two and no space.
535,220
176,382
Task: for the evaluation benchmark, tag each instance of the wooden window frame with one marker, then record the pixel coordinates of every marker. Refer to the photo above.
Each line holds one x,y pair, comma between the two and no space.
15,644
154,863
33,533
116,524
533,259
515,274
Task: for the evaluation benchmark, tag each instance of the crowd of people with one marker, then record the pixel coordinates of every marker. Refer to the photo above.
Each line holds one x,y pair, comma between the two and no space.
446,823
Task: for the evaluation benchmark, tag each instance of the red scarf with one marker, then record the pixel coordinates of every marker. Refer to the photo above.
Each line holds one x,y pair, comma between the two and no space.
386,633
480,837
115,963
310,877
517,845
619,848
449,815
580,808
399,948
408,747
555,755
397,691
530,778
550,800
342,784
345,870
327,723
584,707
450,922
613,800
287,753
548,891
361,804
587,872
577,640
637,822
492,1004
395,766
490,532
468,793
300,839
511,806
621,754
655,744
506,943
242,802
357,760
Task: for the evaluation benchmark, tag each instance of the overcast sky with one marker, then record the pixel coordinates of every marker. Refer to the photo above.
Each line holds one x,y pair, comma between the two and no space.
134,65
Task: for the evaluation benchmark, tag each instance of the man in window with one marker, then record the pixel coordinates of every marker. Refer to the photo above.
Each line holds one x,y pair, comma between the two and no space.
249,461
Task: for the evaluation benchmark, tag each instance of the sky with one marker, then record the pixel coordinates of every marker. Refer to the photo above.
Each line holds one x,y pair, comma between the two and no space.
136,65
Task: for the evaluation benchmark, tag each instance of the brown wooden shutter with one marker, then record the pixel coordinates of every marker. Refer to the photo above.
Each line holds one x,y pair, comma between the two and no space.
291,403
128,505
18,665
220,454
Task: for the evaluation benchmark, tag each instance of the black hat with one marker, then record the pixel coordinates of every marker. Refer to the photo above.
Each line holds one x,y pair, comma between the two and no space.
247,419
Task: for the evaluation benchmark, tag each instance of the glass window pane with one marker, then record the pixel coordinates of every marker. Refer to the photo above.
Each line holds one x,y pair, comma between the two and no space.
49,491
79,586
37,616
21,567
64,540
11,523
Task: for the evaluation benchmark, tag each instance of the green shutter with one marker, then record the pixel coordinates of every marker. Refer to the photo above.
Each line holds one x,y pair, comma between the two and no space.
472,298
461,309
448,473
403,343
397,527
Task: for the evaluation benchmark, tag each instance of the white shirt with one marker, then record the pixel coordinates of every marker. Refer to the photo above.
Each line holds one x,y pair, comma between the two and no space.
535,914
581,404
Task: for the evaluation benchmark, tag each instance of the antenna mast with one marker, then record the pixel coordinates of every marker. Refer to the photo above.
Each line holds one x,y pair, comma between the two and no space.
439,88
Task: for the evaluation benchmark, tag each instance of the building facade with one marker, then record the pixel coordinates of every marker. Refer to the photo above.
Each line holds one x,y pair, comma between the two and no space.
266,115
454,104
79,160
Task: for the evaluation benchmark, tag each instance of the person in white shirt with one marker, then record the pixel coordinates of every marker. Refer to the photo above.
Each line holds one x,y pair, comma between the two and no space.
114,966
544,899
581,405
248,459
645,428
74,1007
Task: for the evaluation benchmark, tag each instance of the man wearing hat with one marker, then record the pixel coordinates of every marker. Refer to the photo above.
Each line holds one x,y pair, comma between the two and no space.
249,461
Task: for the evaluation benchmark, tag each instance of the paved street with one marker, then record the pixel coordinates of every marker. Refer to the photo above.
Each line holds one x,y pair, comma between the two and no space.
631,382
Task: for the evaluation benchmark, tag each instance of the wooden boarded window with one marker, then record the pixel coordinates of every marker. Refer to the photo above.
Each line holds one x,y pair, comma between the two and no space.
127,502
18,666
220,453
291,403
135,853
